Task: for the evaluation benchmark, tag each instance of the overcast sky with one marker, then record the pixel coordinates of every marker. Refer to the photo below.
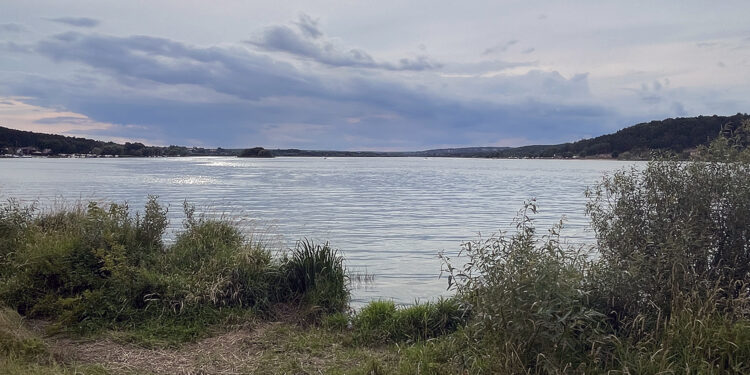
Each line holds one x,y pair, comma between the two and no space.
364,75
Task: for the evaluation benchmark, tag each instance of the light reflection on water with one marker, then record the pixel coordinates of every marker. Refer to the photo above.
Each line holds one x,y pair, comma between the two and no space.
389,216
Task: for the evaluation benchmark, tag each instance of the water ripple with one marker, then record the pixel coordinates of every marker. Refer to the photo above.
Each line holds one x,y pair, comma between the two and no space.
390,216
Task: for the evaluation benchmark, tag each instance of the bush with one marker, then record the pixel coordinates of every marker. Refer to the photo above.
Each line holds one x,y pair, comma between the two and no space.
97,266
82,263
212,263
529,301
671,229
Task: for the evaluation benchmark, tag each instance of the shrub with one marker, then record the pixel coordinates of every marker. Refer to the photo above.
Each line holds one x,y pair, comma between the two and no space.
14,222
375,322
81,263
671,229
212,263
529,301
96,266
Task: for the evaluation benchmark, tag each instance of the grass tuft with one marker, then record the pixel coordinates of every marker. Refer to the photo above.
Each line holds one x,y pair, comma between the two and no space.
381,321
315,275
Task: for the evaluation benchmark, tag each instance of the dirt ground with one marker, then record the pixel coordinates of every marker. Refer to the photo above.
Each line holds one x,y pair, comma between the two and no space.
254,348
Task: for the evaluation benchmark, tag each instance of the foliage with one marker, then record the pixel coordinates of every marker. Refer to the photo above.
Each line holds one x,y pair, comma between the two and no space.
97,266
256,152
315,274
638,141
665,293
529,299
670,229
11,140
381,321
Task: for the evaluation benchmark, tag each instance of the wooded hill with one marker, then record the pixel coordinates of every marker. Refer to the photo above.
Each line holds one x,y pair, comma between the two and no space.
677,135
673,134
11,140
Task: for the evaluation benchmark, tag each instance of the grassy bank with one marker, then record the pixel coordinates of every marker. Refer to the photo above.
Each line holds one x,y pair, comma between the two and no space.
93,289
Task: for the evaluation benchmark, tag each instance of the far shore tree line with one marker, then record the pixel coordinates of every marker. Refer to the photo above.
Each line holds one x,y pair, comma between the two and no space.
676,136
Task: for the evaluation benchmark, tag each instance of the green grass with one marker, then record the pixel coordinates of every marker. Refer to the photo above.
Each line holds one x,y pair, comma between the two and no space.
24,352
382,321
98,266
316,276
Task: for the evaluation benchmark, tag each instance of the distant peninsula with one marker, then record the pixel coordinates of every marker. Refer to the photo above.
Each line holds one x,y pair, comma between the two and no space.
675,135
255,152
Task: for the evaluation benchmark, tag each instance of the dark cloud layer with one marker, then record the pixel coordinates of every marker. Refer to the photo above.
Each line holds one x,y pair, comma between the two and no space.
233,97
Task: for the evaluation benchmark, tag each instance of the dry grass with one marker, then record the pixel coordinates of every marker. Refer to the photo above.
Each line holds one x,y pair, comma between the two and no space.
258,347
228,353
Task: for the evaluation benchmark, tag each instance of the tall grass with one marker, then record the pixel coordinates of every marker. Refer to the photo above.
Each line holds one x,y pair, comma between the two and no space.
94,266
382,322
315,274
17,341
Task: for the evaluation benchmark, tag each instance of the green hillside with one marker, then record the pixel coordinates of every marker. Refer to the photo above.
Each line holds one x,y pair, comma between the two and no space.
676,135
673,134
11,140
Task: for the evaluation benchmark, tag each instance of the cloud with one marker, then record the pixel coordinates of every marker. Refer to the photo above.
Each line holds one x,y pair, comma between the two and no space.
230,96
487,68
14,47
308,41
678,109
17,114
232,71
11,28
502,47
309,26
706,44
76,21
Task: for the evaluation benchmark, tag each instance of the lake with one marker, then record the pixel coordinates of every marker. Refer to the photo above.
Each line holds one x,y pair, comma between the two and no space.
389,216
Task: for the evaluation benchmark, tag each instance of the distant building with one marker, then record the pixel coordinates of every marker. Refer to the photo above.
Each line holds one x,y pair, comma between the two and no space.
28,150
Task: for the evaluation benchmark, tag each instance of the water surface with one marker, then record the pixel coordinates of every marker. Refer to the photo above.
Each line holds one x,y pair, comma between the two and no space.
389,216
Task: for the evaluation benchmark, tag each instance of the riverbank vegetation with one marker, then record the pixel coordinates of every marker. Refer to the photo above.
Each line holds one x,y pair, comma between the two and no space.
663,290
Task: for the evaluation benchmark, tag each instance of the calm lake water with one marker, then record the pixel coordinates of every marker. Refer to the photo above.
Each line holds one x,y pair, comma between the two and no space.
389,216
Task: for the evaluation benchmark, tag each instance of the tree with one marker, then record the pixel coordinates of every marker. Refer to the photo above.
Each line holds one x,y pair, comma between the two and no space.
256,152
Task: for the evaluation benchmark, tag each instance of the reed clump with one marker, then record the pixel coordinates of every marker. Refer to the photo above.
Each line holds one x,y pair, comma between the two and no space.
315,275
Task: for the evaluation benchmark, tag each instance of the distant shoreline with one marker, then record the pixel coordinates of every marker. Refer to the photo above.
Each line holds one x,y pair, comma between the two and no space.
602,158
679,137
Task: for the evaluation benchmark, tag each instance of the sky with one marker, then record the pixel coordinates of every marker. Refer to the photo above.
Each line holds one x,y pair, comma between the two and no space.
366,75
